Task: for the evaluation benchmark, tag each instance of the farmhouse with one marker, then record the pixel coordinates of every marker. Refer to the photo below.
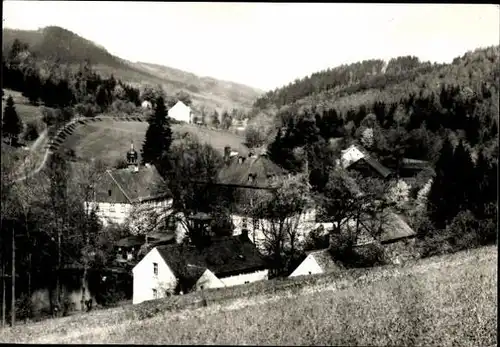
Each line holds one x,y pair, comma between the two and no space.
147,105
358,159
118,192
254,176
181,113
225,262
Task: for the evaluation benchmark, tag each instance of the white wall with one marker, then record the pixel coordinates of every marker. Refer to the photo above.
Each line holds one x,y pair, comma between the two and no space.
180,112
243,278
145,280
208,280
118,212
308,267
306,224
109,212
351,155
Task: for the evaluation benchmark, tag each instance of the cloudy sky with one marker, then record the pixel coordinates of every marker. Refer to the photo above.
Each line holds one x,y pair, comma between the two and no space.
265,45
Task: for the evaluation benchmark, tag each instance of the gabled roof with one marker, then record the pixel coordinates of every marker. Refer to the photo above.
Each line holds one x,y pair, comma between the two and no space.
224,256
127,186
368,158
394,228
131,241
260,166
324,260
180,104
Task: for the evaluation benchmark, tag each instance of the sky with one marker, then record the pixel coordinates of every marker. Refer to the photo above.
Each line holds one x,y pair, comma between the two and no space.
265,45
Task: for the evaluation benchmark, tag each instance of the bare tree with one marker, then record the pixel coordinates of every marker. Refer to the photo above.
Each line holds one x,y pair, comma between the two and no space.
191,182
352,206
279,214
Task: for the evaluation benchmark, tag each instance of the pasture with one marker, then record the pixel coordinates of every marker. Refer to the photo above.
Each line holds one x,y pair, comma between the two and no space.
440,301
108,140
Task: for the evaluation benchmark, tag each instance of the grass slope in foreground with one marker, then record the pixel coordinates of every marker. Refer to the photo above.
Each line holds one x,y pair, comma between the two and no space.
108,140
440,301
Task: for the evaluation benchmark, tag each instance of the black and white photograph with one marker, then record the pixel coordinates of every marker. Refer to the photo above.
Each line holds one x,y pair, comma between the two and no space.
249,173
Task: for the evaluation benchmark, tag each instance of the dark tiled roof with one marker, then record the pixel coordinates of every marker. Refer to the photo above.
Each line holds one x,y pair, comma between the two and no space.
127,186
131,241
393,228
224,256
396,228
408,163
374,163
261,166
381,169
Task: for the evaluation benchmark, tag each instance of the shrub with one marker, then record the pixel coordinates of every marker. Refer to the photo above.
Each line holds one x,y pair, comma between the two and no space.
121,106
317,239
87,110
24,308
254,137
31,133
48,116
121,164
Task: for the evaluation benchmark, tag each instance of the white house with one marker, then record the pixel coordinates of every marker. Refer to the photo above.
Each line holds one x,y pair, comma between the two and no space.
147,105
316,262
225,262
181,112
255,174
119,192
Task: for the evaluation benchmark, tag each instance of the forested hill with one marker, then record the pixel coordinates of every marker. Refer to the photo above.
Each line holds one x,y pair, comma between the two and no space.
350,86
57,45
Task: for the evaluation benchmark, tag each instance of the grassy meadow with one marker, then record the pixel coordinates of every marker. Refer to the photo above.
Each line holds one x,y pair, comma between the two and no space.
108,140
441,301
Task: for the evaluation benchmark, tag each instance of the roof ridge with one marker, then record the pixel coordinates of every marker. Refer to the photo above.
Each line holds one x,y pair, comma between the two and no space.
119,186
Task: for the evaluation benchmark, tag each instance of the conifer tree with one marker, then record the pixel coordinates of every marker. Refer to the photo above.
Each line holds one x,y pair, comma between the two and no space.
439,206
11,123
158,137
463,176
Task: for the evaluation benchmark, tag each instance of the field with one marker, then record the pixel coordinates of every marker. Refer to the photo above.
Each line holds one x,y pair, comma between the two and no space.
109,140
446,301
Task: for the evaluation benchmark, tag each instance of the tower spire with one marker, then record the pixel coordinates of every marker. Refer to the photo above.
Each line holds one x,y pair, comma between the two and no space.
132,157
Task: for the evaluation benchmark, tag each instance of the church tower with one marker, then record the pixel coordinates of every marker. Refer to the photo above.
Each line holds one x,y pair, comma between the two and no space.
132,158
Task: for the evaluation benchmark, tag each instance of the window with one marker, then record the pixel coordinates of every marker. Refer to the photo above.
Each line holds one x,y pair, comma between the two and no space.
244,223
155,293
201,287
109,192
246,282
255,224
111,207
309,272
155,269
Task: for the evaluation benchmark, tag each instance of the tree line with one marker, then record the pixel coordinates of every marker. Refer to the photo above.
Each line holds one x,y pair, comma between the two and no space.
57,86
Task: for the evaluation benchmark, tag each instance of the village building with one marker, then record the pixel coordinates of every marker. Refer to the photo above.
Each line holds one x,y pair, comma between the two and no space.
254,176
397,241
147,105
181,113
224,262
118,192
